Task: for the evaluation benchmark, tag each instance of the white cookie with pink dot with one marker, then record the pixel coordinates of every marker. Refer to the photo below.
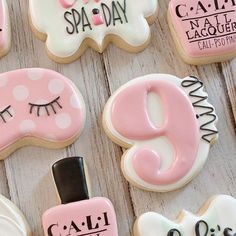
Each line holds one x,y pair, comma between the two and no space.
38,106
69,27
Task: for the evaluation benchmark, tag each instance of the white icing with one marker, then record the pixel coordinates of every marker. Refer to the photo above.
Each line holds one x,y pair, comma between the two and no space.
220,210
12,222
161,144
48,18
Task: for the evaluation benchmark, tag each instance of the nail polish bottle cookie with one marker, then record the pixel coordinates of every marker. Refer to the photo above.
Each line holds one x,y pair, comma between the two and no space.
53,118
167,126
78,214
12,221
69,27
216,217
204,31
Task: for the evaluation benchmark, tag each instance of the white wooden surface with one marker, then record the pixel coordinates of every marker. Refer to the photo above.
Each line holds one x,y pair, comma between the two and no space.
25,176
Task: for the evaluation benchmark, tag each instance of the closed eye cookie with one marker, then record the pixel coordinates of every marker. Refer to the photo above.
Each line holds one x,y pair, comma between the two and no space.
216,218
167,125
69,27
39,107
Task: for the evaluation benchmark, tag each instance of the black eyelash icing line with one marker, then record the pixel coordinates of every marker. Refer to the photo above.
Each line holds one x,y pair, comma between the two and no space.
6,110
209,110
46,106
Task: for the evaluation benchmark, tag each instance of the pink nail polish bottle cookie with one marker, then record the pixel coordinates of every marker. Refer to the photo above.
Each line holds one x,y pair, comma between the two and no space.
78,215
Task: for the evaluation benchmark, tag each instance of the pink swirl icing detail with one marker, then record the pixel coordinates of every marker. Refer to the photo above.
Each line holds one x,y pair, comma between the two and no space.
130,118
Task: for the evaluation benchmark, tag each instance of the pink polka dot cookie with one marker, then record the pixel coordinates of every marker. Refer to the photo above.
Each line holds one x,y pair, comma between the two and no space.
5,29
204,31
38,107
167,125
69,27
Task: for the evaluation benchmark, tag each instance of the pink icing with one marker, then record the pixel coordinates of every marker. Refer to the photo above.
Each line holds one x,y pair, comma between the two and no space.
130,118
217,16
70,3
97,19
67,3
20,88
3,26
97,210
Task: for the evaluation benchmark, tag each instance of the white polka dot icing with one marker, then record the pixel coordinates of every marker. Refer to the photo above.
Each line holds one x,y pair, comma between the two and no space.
63,121
216,217
20,93
3,81
56,86
38,102
35,74
75,102
27,127
67,24
12,221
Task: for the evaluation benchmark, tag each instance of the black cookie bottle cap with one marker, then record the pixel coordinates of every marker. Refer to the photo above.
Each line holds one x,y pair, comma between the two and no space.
70,178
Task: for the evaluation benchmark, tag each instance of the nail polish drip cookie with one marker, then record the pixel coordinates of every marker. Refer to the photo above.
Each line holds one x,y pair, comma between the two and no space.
78,215
69,27
12,221
204,31
5,29
216,218
167,125
38,107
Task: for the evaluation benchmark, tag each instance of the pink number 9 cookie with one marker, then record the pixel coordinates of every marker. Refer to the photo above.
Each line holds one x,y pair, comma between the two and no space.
168,126
69,27
5,29
204,31
39,107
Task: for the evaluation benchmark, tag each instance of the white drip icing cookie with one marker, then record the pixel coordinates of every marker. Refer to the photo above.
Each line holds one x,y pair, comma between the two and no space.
70,27
167,126
216,218
12,221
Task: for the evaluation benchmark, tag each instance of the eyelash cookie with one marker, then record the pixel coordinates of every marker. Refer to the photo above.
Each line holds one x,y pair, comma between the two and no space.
167,125
12,221
38,107
204,31
5,29
70,27
216,217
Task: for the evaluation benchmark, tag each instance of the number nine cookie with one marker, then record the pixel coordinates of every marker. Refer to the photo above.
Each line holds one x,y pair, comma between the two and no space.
39,107
216,218
69,27
168,127
12,221
204,31
5,29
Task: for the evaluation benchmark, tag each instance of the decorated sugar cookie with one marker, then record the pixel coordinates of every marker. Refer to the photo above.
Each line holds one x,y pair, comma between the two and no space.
12,221
39,107
204,31
167,125
216,218
78,215
69,27
5,29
